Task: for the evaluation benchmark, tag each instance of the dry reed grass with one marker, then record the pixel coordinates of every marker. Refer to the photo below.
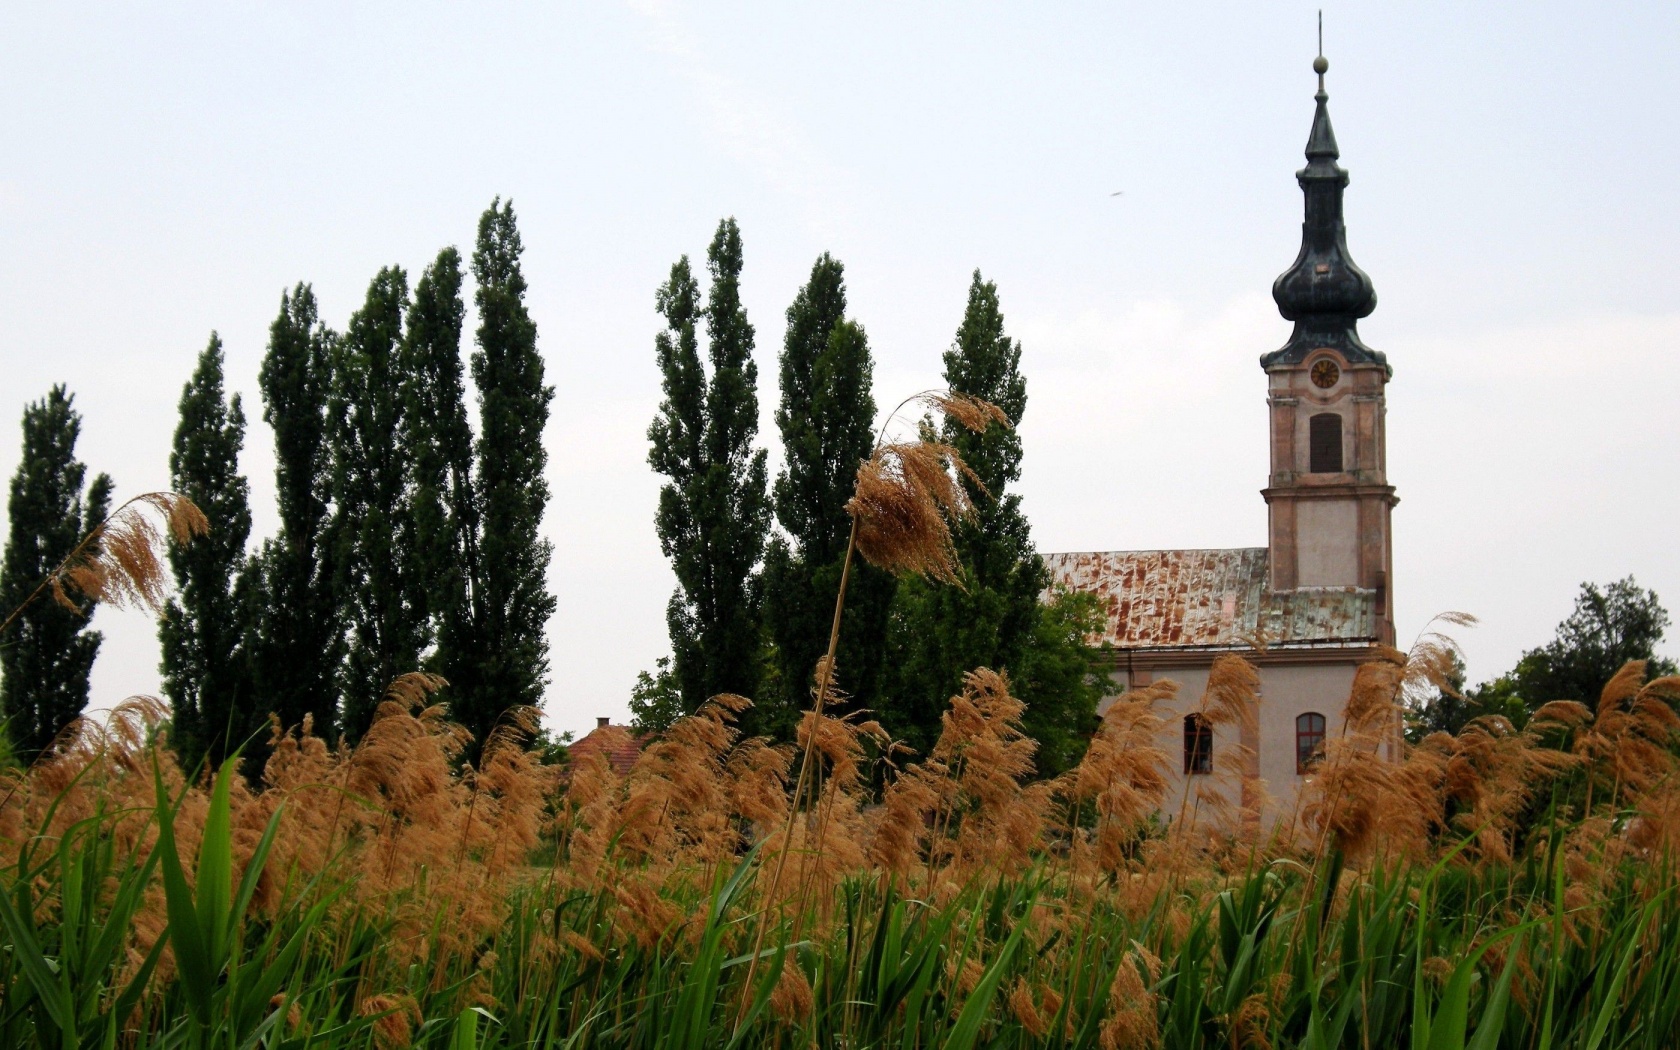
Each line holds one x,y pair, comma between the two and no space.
439,849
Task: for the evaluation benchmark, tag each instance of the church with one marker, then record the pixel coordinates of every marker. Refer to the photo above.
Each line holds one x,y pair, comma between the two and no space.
1309,607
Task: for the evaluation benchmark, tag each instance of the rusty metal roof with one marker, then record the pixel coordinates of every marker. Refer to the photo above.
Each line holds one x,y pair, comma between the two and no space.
1210,599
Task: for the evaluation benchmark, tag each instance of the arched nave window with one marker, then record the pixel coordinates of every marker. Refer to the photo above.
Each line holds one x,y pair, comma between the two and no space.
1198,744
1309,740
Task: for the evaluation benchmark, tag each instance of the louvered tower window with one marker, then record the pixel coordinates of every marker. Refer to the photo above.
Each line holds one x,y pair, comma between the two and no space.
1326,443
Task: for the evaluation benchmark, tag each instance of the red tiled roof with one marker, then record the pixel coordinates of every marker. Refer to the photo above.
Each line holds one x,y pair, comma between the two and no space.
616,742
1209,599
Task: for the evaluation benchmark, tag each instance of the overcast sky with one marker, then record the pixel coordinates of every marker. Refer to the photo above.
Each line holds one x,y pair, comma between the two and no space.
1515,196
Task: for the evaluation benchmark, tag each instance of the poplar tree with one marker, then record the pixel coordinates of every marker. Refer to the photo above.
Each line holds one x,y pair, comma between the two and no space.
438,442
298,643
997,618
378,578
714,512
47,651
826,419
506,660
205,662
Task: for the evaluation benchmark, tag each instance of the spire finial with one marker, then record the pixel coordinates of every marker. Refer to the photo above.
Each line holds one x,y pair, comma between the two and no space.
1321,64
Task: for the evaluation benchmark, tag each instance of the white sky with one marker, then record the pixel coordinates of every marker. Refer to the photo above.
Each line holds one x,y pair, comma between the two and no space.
1514,197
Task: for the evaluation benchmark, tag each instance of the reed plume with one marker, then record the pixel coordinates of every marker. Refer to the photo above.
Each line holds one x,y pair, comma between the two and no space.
121,561
902,505
1133,1022
909,493
1124,771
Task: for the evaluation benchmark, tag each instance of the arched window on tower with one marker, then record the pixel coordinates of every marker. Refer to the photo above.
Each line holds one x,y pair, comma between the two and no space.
1198,744
1309,741
1325,443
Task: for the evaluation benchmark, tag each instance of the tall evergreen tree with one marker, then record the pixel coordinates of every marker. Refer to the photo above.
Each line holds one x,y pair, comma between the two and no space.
206,669
510,651
714,512
379,579
438,442
826,418
298,644
47,652
996,619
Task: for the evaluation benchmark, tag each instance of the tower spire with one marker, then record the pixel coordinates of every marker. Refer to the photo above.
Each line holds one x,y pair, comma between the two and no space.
1323,292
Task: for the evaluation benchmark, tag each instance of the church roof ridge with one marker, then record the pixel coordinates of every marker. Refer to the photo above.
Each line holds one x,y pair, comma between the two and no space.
1209,597
1153,550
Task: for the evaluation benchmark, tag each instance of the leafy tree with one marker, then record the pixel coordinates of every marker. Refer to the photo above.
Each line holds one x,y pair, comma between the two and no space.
47,652
826,418
655,700
996,619
380,583
206,667
298,644
505,661
714,511
1609,626
1059,679
438,441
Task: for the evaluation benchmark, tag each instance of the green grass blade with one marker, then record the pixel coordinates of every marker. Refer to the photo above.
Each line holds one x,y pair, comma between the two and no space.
1607,1010
465,1034
254,868
40,971
125,1002
1488,1029
975,1010
215,873
1452,1021
192,954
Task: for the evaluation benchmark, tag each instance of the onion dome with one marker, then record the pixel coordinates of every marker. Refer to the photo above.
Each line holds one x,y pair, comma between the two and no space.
1324,293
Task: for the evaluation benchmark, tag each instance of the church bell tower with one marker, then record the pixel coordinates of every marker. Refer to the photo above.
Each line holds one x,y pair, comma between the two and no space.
1328,496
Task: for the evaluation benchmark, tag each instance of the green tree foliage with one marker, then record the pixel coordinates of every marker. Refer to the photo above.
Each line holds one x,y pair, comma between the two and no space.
505,662
655,701
439,443
1609,626
826,418
996,619
47,651
206,667
294,611
714,512
379,577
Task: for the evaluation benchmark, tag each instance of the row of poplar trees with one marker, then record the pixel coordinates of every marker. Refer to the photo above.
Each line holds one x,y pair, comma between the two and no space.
758,561
404,542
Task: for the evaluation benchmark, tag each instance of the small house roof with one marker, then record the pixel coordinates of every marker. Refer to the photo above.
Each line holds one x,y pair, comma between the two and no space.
620,746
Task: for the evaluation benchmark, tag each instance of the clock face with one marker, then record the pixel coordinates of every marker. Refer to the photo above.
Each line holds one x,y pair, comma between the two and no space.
1325,374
